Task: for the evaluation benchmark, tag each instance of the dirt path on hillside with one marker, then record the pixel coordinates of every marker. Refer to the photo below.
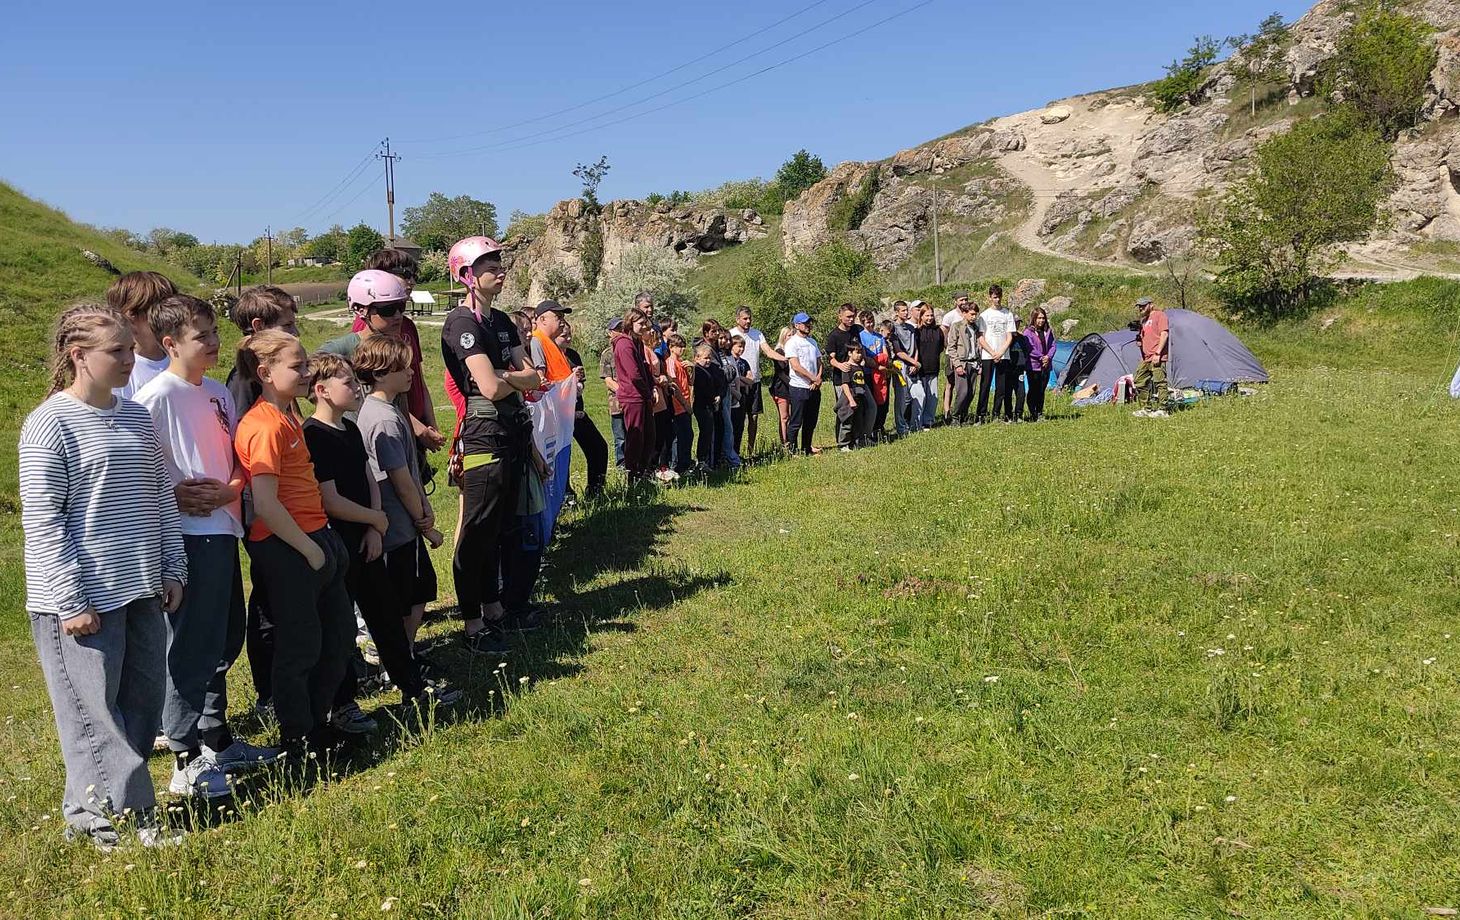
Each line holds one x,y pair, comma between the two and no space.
1058,157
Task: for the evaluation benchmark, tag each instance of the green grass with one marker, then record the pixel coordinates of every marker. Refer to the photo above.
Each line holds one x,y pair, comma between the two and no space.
1090,668
716,276
298,274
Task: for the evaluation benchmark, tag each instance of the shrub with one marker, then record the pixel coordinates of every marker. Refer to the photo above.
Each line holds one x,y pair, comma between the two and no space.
1276,231
432,268
815,283
522,224
850,211
1185,78
559,284
1382,66
642,268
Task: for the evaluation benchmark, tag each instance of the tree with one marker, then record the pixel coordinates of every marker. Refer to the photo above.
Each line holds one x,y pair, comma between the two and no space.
798,174
833,274
328,246
642,268
360,242
1276,230
522,224
1263,54
592,177
441,221
165,240
1382,65
1185,77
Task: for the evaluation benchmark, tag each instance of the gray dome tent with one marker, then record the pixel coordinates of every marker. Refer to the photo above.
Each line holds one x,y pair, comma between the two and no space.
1201,350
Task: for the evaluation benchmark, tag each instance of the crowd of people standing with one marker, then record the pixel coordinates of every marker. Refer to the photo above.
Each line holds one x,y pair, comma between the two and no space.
141,476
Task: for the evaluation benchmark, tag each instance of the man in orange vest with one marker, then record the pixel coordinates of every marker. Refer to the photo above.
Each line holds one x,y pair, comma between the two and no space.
547,358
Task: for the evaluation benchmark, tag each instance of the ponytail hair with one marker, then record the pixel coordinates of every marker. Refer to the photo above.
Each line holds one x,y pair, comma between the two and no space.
262,348
81,326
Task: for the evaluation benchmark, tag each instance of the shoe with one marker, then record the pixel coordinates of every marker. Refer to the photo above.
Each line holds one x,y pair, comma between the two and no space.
370,653
489,642
1141,413
240,756
441,693
264,710
200,776
352,720
1158,413
530,620
104,838
159,836
159,744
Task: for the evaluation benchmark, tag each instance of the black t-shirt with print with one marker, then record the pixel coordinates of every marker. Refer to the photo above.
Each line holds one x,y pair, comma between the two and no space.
837,343
339,456
494,336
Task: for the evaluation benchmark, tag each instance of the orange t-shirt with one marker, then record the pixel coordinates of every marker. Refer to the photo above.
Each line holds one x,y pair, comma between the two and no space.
685,379
270,443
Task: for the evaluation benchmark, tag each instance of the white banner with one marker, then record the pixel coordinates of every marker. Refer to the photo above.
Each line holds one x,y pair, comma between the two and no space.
552,419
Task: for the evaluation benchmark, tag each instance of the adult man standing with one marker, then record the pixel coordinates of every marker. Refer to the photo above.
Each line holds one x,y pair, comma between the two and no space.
838,341
995,330
904,344
805,363
1150,376
960,306
750,398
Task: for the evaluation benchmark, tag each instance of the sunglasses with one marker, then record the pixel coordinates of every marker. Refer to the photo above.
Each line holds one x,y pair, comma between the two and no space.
388,310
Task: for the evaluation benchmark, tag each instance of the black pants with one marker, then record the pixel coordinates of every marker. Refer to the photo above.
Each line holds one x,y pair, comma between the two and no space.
1018,387
663,438
314,629
595,453
384,607
489,496
862,420
1004,389
737,425
708,444
684,439
879,421
259,641
805,411
1038,385
985,381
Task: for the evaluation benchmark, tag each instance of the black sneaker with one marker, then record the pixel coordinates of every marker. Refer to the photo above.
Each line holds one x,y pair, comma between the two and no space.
530,620
488,642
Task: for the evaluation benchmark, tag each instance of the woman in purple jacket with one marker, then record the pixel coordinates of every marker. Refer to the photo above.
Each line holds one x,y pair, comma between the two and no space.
635,394
1041,359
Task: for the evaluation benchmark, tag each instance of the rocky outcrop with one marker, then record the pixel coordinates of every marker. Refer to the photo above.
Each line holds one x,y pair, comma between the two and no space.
556,254
805,225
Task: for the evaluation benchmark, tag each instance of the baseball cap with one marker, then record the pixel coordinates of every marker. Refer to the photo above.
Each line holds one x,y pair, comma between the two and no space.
552,306
1144,302
914,304
615,323
801,318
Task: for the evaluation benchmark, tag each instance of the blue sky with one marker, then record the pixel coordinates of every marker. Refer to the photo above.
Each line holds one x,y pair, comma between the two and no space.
222,118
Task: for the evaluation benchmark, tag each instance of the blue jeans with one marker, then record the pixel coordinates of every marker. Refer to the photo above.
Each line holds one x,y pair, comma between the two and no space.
616,422
900,400
106,690
727,434
923,392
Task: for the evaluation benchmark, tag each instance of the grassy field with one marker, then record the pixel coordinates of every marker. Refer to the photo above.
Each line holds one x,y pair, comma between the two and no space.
1097,667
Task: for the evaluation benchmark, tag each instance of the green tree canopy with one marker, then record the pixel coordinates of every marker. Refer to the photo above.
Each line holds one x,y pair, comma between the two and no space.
360,242
441,221
1382,66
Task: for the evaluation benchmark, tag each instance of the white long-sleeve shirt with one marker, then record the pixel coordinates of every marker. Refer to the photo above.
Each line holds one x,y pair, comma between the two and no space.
101,522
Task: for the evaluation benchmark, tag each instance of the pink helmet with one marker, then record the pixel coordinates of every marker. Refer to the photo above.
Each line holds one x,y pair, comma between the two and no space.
466,252
371,287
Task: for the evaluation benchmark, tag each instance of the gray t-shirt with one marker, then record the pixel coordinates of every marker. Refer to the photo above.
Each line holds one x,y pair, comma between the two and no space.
391,446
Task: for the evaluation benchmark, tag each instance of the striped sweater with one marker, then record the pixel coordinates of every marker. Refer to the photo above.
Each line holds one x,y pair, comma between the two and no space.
101,522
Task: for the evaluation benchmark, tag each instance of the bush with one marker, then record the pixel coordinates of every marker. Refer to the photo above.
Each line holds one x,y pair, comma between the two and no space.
745,193
642,268
559,284
849,212
432,267
815,283
1276,231
1382,66
1184,78
522,224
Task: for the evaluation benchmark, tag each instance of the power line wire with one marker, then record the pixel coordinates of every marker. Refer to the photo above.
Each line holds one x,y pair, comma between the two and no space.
701,78
369,183
349,177
515,145
631,86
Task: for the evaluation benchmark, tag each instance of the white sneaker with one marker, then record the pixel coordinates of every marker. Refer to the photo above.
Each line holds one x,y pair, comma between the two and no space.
202,777
352,721
241,756
158,837
159,744
1141,413
1158,413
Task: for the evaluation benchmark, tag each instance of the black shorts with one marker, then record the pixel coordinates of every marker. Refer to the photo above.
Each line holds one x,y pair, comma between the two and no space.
410,570
750,400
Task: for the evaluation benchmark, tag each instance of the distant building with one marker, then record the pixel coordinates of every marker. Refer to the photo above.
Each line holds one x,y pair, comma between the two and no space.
408,247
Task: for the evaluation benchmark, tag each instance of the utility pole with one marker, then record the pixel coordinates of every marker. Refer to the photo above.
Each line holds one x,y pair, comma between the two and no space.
389,159
937,252
269,259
